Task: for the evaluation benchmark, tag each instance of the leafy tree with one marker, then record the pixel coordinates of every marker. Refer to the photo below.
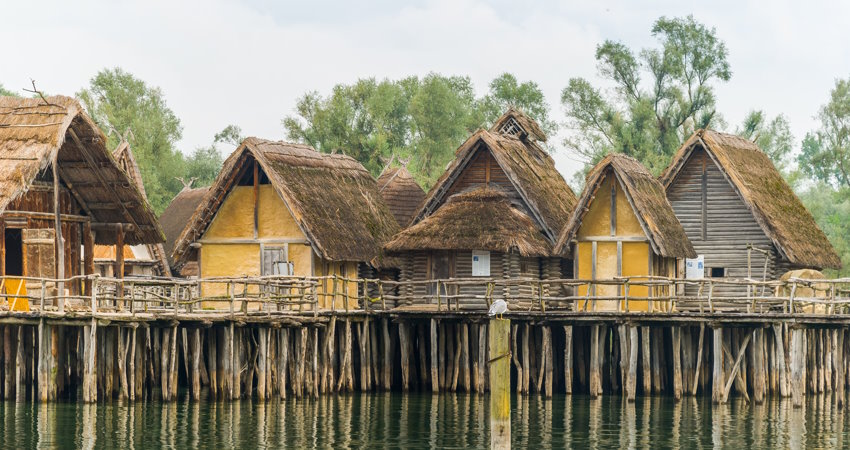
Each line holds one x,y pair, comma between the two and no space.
825,154
7,93
231,134
660,95
118,101
424,119
506,91
773,137
831,210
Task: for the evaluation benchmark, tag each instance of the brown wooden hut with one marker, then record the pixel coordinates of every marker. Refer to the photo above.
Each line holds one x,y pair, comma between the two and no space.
729,197
495,213
623,226
174,219
62,192
278,208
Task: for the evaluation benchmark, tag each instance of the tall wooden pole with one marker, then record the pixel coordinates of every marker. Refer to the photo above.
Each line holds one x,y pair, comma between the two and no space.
500,384
60,246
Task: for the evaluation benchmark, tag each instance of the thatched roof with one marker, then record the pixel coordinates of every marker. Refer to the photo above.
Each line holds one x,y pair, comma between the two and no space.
124,156
531,171
33,132
648,200
775,207
480,219
401,192
175,217
333,199
528,125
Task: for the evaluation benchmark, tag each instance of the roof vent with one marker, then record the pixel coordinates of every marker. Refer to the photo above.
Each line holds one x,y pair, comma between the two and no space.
511,127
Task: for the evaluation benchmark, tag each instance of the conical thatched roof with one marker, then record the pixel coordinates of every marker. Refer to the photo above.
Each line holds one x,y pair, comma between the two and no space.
33,131
480,219
401,192
531,171
333,199
775,207
647,199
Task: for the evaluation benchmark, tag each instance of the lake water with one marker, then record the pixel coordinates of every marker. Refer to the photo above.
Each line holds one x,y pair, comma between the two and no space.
425,421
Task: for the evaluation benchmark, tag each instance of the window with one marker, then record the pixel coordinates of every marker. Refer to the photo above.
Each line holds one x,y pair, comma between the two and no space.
480,263
718,272
274,261
511,127
14,252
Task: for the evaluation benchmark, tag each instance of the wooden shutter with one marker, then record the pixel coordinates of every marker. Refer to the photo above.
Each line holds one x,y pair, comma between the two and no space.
39,252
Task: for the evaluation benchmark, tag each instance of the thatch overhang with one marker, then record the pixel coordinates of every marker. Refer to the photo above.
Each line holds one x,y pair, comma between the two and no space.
331,197
124,156
780,213
532,173
33,131
401,192
479,219
178,213
647,199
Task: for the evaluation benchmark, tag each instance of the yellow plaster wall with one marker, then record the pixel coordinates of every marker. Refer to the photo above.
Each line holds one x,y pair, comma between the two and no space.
334,296
636,263
627,221
606,269
274,219
597,220
235,216
227,260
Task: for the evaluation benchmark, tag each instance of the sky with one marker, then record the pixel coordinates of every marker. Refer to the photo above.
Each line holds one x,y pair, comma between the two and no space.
222,62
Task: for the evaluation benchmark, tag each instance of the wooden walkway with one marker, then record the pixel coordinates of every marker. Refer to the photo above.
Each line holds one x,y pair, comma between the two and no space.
273,337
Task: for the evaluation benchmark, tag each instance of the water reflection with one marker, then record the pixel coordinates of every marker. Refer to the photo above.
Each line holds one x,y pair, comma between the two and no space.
425,421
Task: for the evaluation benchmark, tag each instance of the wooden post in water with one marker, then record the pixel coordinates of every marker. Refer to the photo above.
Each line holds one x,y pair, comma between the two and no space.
797,361
500,384
717,370
568,359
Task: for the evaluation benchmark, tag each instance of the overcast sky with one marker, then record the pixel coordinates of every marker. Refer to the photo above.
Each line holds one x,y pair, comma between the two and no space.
220,62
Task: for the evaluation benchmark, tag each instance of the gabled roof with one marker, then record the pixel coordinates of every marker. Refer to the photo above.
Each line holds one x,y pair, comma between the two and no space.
647,199
775,207
332,198
401,192
177,215
528,125
531,171
479,219
33,131
124,156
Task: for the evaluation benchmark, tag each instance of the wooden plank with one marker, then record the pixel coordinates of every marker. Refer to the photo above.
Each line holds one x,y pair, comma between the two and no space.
797,366
676,334
717,368
595,366
500,384
631,384
568,359
646,360
435,369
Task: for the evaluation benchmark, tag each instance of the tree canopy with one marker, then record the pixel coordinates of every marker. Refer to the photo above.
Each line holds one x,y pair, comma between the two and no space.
420,119
7,93
660,95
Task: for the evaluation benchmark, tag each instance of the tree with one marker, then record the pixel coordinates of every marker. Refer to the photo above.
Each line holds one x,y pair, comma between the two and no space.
506,91
648,119
118,101
831,209
773,137
424,119
825,153
7,93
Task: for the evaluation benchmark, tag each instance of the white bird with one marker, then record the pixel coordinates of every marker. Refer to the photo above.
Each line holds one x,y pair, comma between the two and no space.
498,307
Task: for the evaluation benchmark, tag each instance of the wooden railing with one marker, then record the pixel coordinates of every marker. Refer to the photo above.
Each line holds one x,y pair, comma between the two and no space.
293,294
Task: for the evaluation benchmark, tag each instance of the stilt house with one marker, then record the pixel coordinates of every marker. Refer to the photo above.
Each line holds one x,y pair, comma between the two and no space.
739,212
139,260
278,208
401,192
61,193
623,226
174,219
495,213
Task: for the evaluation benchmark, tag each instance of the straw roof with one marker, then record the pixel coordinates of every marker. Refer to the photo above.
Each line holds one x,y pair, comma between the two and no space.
332,198
531,171
401,192
33,132
647,199
767,195
175,217
528,125
479,219
124,156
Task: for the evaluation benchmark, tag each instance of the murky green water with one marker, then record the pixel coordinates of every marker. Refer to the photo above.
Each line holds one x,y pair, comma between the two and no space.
423,421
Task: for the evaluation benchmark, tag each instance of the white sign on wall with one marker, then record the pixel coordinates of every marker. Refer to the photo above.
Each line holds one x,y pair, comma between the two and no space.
695,268
480,263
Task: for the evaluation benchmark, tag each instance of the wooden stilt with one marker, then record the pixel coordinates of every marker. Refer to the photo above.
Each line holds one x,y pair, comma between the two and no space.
9,334
386,369
549,359
717,372
758,369
21,369
482,358
212,369
515,353
797,366
262,358
568,359
500,384
195,345
404,346
595,382
646,361
124,392
631,388
435,370
677,361
526,362
464,356
838,364
700,345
